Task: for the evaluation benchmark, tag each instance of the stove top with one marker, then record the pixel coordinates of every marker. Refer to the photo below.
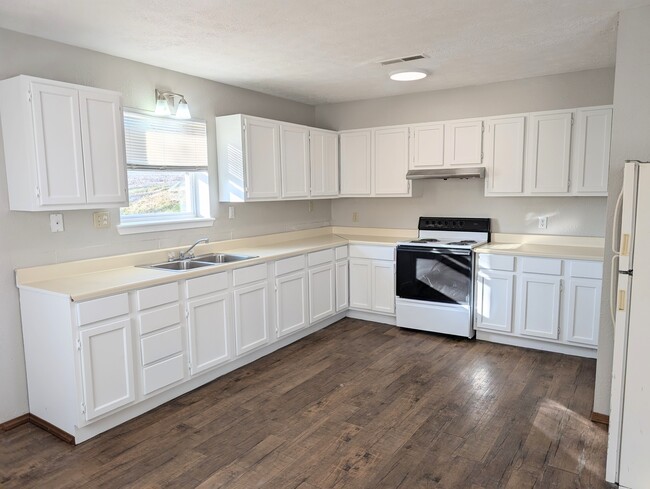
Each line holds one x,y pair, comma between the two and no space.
446,232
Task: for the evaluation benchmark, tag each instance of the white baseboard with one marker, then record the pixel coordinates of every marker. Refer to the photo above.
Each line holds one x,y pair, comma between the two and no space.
536,344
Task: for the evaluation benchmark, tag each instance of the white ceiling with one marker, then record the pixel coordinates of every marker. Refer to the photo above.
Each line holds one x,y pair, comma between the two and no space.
321,51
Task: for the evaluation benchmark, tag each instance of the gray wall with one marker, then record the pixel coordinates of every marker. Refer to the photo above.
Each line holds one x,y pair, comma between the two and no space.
630,140
567,216
25,238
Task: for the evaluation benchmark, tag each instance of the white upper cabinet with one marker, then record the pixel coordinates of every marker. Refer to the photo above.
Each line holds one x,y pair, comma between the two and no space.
427,146
464,142
64,145
356,163
549,152
294,151
262,154
391,161
504,155
591,150
324,159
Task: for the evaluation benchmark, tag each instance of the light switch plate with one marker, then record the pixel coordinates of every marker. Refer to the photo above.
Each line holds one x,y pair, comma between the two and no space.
542,223
56,223
231,212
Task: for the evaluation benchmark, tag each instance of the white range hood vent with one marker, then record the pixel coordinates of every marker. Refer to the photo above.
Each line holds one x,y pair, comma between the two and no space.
445,173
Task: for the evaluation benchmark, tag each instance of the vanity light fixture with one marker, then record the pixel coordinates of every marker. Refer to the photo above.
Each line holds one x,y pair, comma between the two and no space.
408,75
163,100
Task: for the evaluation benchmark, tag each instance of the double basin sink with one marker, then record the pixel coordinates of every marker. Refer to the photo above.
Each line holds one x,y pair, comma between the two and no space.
209,260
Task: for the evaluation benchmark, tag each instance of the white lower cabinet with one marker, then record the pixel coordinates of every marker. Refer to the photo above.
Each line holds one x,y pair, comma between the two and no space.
372,278
545,303
251,317
291,303
106,367
208,325
321,292
539,301
342,285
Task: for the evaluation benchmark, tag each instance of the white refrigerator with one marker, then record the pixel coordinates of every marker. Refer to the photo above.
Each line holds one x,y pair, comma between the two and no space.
628,452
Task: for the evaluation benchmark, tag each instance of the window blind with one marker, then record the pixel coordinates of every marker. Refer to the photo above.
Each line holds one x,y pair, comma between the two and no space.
163,143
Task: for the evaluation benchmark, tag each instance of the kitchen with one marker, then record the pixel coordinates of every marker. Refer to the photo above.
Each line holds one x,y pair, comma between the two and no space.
32,244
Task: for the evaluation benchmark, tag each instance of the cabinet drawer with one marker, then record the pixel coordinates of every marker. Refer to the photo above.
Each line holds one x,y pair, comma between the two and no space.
341,252
161,345
372,252
104,308
156,296
544,266
242,276
497,262
320,257
586,269
163,374
206,285
289,265
160,318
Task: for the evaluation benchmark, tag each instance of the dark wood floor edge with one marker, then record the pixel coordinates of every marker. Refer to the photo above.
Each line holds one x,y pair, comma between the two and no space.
50,428
600,418
13,423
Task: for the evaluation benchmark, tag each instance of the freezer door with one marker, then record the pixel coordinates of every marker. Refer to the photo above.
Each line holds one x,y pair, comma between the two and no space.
628,215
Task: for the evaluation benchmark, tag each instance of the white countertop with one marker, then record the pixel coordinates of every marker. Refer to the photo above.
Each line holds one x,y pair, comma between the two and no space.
543,250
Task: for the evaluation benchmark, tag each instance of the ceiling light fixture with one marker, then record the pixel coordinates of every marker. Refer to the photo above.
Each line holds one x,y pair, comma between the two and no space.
163,100
410,75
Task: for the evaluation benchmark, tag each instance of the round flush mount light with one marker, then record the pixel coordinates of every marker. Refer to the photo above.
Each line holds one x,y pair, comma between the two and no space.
410,75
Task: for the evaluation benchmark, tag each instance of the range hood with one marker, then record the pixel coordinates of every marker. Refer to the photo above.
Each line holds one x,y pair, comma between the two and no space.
445,173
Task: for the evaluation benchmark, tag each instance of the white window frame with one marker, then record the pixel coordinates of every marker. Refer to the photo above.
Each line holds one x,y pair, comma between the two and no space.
143,223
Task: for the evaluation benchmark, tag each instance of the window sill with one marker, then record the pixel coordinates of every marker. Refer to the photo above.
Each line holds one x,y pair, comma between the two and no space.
155,226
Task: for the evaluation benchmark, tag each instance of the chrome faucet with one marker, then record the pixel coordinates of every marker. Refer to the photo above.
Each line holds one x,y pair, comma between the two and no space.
184,255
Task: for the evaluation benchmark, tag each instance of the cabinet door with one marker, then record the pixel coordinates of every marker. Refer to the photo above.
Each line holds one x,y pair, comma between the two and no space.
355,163
324,160
102,135
504,155
342,287
294,157
494,293
59,155
251,317
427,146
391,157
591,155
208,327
383,286
583,318
321,292
539,298
291,303
549,151
107,367
262,146
463,143
360,279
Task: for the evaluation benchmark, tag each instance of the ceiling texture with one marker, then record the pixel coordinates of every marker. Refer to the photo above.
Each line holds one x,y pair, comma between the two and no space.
324,51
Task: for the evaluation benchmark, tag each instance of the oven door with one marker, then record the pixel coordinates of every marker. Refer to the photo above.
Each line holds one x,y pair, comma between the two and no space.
440,275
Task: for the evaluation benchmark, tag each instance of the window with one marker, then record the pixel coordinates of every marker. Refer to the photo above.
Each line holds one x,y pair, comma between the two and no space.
167,168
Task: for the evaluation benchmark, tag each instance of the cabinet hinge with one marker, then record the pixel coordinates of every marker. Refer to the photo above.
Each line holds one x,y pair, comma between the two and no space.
243,126
187,312
29,95
83,408
78,344
189,366
38,192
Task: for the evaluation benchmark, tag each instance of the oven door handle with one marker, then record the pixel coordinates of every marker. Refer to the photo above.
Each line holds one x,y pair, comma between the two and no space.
434,251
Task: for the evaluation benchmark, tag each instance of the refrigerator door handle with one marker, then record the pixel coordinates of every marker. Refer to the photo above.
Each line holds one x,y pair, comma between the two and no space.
613,286
616,223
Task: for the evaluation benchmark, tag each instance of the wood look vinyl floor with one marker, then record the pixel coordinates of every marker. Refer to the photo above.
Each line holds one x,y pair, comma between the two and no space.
357,405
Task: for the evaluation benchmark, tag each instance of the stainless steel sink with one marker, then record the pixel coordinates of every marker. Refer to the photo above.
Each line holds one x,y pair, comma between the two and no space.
221,258
200,261
179,266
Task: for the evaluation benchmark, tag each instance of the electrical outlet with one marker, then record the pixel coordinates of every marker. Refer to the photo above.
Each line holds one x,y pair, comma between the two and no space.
231,212
355,217
56,223
101,219
311,206
542,222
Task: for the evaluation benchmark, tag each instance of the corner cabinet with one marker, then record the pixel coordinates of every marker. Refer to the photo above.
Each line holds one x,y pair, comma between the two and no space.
64,145
543,303
266,160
